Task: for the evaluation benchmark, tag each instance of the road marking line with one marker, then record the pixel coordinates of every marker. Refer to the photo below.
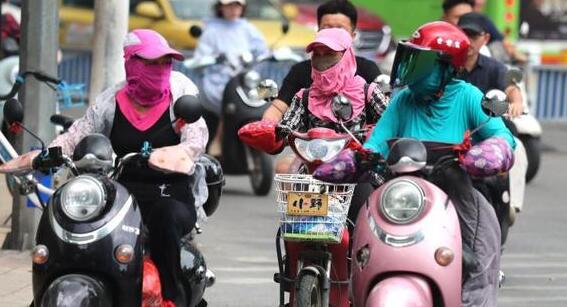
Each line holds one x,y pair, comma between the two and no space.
517,299
537,275
535,288
535,256
529,265
245,281
244,269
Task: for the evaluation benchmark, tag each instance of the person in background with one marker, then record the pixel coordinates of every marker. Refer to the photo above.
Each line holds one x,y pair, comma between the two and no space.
331,14
227,35
485,72
498,46
479,6
454,9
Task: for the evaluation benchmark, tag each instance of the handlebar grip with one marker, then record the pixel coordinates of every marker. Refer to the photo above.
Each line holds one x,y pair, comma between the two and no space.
48,159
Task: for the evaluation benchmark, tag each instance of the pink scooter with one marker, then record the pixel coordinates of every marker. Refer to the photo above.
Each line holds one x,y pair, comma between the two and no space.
407,241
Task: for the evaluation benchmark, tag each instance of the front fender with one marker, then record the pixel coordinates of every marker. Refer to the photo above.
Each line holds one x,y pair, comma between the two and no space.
401,291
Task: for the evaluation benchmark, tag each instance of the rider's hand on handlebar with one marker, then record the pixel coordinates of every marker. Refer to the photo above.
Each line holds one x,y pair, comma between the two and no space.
51,158
20,164
515,110
367,160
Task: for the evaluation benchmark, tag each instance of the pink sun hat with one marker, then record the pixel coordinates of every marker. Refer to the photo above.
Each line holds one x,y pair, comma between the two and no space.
335,38
148,44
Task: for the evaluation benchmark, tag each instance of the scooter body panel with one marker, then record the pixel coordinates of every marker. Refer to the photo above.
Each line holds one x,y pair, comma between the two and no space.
395,249
96,258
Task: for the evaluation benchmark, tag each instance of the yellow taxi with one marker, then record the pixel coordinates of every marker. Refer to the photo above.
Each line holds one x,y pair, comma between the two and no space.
173,18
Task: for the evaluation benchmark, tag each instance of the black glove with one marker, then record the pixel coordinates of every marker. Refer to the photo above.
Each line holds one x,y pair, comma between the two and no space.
48,159
367,160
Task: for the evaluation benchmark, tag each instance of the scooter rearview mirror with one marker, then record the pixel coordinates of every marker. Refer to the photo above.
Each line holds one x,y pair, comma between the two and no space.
195,31
342,108
383,82
188,108
495,103
514,76
285,26
13,111
267,89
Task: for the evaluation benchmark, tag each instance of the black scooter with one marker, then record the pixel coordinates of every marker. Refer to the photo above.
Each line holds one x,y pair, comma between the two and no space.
90,240
242,105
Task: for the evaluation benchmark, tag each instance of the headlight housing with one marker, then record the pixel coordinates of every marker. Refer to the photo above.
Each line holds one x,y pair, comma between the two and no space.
83,198
319,149
252,79
402,202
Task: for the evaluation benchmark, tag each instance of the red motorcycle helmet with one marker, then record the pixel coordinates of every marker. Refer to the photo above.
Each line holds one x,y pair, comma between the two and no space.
432,46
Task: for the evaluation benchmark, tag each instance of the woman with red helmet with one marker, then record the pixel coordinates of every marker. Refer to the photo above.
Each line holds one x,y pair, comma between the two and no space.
436,107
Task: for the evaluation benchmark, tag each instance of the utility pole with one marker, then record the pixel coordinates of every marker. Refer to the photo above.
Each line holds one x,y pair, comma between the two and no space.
38,49
111,26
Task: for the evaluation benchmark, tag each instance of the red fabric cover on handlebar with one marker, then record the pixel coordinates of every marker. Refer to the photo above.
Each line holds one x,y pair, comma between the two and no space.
151,285
261,135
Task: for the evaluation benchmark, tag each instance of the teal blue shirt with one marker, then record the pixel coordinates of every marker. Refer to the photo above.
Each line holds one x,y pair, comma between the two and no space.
445,120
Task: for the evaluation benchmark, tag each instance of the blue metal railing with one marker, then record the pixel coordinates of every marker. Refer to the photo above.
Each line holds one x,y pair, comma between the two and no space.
551,96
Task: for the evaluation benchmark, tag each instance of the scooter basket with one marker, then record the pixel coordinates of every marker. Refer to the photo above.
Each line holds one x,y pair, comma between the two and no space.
321,228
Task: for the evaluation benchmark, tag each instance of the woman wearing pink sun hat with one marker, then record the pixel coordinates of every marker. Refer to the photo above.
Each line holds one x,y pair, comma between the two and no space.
138,110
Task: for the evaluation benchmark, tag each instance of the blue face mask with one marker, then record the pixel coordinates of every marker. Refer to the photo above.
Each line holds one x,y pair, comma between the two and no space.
427,88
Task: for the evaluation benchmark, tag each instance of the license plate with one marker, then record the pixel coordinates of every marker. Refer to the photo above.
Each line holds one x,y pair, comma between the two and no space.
311,204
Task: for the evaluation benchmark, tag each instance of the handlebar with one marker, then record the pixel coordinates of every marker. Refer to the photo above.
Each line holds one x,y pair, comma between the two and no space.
40,76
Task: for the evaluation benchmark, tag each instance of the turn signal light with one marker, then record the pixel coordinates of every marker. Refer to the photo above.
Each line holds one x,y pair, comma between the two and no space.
40,254
362,256
444,256
124,253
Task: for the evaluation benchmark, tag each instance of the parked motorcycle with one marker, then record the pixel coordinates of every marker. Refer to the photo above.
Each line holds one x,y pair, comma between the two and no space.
90,241
407,248
242,105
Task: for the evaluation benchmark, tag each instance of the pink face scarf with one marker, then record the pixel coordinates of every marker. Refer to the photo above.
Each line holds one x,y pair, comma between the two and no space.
147,85
339,79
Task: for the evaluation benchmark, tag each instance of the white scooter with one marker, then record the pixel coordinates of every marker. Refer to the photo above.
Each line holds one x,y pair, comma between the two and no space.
527,127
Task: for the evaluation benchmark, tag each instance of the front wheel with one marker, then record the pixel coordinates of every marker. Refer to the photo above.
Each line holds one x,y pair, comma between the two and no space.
261,172
309,292
533,152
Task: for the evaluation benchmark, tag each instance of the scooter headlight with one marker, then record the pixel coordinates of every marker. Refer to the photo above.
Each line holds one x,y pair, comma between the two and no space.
83,198
319,149
402,202
252,79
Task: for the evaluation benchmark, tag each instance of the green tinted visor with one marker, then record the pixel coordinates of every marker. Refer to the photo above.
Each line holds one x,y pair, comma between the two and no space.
413,63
